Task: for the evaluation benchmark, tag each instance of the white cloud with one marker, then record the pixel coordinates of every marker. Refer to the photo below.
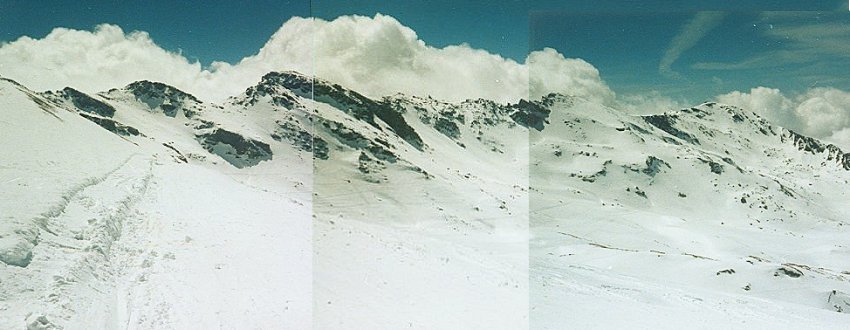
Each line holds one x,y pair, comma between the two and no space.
824,110
819,112
550,71
767,102
375,55
841,138
688,37
649,103
94,61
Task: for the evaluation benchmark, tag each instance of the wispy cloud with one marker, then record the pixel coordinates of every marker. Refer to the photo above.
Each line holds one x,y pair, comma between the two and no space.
687,38
803,37
827,38
766,60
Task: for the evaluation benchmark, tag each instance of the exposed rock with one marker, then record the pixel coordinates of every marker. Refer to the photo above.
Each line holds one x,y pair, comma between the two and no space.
815,146
40,322
787,270
301,139
637,191
370,167
715,167
530,114
654,165
111,125
236,149
165,98
726,271
447,127
444,117
349,137
179,155
601,173
348,101
267,88
839,301
86,103
667,124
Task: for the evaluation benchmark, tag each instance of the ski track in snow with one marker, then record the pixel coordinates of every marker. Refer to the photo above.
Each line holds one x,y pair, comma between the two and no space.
200,265
71,262
128,253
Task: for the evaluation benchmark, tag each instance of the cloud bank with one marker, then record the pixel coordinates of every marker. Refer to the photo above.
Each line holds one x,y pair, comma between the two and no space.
687,38
104,58
377,56
649,103
821,112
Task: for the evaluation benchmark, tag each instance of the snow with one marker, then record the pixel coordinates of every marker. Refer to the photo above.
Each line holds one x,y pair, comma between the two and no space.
36,181
688,252
710,217
234,257
370,276
128,237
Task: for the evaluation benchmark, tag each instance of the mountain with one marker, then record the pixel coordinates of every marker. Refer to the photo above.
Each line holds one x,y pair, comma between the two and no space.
128,208
302,202
711,212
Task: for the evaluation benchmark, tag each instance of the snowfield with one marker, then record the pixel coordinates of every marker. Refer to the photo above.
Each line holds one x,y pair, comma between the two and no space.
302,204
125,237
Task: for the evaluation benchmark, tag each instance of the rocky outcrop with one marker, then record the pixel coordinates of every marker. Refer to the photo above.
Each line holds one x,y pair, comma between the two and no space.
236,149
301,139
164,98
111,125
530,114
83,102
815,146
667,123
348,101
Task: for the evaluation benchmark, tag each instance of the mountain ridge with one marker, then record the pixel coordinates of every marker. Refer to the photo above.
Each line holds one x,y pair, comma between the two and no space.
295,83
534,201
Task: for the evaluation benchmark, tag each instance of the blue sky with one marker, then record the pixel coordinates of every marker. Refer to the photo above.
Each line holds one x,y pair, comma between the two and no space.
729,51
626,40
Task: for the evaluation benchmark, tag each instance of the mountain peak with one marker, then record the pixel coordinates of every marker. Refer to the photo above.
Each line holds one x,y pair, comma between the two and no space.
276,86
556,98
286,74
149,88
716,110
298,83
161,97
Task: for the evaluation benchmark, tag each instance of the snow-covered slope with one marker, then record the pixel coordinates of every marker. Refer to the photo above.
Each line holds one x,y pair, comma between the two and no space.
742,205
708,215
411,220
148,223
301,203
